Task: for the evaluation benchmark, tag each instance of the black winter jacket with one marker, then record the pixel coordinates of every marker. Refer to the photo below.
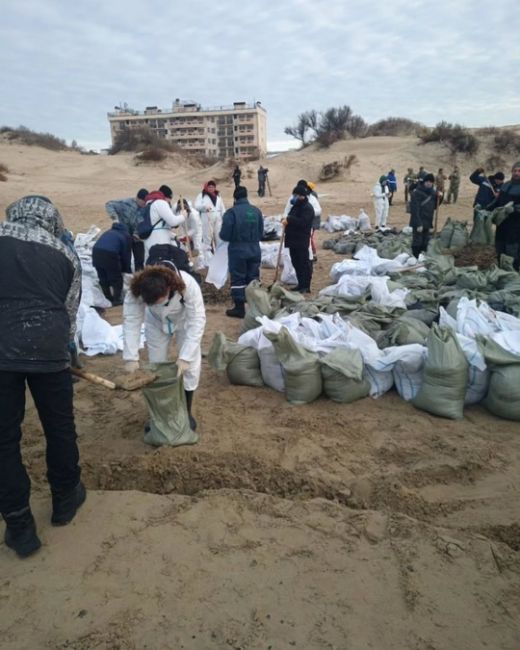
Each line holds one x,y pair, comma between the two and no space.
486,191
299,225
39,289
509,229
422,207
117,240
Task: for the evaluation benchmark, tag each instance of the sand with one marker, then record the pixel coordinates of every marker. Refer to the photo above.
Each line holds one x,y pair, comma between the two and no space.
363,526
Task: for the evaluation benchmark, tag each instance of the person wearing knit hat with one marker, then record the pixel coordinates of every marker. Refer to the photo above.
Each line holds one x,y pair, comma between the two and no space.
298,226
507,238
423,204
380,193
488,187
130,212
313,200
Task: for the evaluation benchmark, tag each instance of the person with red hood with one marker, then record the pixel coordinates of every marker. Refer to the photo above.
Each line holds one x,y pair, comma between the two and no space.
211,207
162,218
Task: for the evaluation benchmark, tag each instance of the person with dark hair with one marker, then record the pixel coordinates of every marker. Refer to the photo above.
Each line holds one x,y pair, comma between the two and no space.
39,298
211,208
162,218
488,187
243,228
391,180
507,238
170,303
262,180
111,257
237,175
130,212
298,227
423,204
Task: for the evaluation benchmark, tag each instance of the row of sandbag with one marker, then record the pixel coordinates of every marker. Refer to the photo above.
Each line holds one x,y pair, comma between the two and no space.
388,243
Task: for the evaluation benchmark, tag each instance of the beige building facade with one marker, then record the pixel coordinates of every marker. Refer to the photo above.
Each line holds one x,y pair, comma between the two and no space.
237,131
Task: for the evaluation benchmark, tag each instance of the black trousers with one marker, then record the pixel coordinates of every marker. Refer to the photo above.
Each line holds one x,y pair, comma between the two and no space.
53,394
138,253
420,241
110,274
302,265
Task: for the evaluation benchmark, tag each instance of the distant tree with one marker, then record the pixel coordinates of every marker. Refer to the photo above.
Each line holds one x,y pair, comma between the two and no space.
307,121
357,127
333,126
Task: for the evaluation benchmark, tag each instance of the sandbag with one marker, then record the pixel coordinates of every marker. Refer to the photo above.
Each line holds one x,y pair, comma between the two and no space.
342,374
166,401
259,303
482,231
241,362
454,234
301,368
503,397
445,376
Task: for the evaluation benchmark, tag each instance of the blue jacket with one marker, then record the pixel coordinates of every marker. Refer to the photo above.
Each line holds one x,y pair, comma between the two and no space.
243,228
486,193
392,182
125,211
117,240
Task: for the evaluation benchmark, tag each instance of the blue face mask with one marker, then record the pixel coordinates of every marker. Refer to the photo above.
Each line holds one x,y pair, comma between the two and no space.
294,200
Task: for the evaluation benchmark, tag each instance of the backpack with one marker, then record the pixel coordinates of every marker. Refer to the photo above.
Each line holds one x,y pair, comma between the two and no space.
144,227
168,255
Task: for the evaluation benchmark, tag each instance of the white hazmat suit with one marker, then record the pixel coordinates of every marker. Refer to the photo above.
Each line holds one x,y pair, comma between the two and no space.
381,205
211,217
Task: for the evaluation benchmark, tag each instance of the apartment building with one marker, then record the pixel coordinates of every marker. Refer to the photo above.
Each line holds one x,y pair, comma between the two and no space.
237,131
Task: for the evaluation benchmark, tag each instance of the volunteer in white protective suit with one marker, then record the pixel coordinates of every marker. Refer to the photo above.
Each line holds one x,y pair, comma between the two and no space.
162,218
211,208
380,193
193,225
312,197
170,304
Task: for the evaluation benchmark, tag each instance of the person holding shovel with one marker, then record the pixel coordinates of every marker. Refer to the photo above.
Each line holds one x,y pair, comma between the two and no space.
39,298
170,303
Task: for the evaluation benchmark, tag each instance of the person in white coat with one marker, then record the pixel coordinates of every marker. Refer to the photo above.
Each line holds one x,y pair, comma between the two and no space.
211,208
170,303
193,224
380,193
162,218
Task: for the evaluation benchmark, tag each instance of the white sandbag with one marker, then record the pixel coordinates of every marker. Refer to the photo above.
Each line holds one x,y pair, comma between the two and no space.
269,253
270,367
407,369
363,221
288,272
382,296
218,267
97,335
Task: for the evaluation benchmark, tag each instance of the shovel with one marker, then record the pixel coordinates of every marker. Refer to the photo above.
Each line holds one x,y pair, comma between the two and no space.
128,383
279,257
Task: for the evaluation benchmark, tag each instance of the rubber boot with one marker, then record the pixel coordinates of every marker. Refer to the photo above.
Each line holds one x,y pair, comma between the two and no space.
238,311
66,504
416,251
105,288
117,292
189,402
20,532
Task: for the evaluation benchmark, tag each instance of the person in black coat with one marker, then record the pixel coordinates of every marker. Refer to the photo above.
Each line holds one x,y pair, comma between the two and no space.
111,257
39,298
507,239
237,175
423,204
488,187
298,227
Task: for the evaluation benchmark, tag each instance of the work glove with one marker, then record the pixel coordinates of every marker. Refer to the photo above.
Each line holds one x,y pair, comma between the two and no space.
74,356
419,228
182,366
131,366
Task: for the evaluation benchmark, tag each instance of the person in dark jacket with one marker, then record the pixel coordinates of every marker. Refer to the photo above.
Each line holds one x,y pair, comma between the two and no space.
237,175
131,212
507,238
38,306
243,228
111,257
298,227
391,179
423,203
262,180
488,187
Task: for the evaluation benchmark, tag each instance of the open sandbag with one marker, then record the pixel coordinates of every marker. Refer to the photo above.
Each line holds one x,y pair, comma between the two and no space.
503,397
342,374
445,376
301,368
408,368
241,362
169,421
259,303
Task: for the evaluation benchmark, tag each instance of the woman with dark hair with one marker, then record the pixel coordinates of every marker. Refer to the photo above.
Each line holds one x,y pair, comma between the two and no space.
170,303
211,208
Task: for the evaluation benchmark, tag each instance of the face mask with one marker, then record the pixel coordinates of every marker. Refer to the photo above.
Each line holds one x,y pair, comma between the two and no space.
294,200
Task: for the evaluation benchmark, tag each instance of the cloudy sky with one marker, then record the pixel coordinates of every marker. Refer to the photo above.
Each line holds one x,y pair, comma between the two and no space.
65,64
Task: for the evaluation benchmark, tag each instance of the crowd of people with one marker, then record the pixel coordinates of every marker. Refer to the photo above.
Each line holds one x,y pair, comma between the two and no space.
151,241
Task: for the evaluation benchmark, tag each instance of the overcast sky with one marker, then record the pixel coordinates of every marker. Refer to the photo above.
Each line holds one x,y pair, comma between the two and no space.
65,64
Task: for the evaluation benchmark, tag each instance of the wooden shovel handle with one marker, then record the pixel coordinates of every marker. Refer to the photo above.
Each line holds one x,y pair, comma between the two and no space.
95,379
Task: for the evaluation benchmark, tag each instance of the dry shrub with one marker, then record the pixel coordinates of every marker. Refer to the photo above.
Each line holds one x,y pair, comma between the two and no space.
23,135
141,138
395,126
457,138
151,154
495,161
507,141
487,130
350,161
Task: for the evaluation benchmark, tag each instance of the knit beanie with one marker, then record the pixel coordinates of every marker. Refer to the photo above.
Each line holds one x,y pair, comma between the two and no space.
240,193
167,191
429,178
516,165
142,194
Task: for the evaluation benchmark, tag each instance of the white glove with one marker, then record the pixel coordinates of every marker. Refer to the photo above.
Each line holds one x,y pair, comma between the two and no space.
182,366
419,228
131,366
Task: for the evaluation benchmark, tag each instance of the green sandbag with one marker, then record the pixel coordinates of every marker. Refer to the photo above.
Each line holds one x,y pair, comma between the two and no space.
405,331
241,362
503,397
169,420
342,373
473,280
454,234
301,368
445,376
259,303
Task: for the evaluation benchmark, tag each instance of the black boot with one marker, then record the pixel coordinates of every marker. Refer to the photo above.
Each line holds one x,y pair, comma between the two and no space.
105,288
416,251
189,402
117,292
66,504
238,311
20,532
